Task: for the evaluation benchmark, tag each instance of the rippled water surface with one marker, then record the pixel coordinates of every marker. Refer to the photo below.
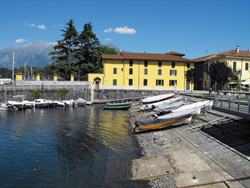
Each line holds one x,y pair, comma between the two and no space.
64,147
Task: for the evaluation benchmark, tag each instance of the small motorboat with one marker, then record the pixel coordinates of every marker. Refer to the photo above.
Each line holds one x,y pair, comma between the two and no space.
5,107
60,104
157,98
80,102
119,104
15,103
161,103
69,102
117,107
89,103
162,123
41,103
167,107
28,104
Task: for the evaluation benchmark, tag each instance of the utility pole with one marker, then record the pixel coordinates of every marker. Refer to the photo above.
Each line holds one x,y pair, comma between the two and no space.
13,68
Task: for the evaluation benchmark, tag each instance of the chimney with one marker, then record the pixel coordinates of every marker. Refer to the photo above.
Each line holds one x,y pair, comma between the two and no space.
237,49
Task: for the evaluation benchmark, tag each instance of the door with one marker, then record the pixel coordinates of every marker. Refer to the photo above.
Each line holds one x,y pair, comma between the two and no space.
97,83
187,85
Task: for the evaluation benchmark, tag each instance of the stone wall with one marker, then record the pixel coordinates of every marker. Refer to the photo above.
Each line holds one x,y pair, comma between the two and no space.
75,94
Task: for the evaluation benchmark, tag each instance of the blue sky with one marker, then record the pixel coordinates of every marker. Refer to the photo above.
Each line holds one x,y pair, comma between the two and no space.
193,27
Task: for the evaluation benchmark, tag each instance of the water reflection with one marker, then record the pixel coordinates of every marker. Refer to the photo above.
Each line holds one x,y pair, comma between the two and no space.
71,147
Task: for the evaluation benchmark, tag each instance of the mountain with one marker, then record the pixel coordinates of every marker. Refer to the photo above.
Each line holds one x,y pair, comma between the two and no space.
32,54
35,54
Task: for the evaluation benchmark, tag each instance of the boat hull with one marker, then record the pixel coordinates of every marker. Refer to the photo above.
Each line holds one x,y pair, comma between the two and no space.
125,107
159,98
162,123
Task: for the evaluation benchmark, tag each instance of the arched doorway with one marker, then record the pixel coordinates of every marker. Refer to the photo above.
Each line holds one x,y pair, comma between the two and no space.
97,81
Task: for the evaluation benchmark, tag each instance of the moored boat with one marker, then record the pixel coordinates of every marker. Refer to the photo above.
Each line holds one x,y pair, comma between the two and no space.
116,107
161,103
157,98
60,104
69,102
27,104
162,123
119,103
80,102
167,107
41,103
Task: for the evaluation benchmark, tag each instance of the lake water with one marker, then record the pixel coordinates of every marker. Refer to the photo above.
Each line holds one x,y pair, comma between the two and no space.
64,147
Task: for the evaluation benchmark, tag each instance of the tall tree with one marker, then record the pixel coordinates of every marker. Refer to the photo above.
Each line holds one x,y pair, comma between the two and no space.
89,53
220,72
193,75
65,50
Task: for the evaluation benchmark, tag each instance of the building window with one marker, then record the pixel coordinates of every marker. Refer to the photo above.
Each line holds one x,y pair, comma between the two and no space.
115,71
145,71
145,82
160,82
159,71
130,71
173,64
188,65
172,82
247,67
173,72
114,82
159,64
145,63
130,82
234,66
131,63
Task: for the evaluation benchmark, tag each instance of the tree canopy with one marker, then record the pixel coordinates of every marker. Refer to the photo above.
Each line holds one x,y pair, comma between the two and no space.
78,54
64,50
220,72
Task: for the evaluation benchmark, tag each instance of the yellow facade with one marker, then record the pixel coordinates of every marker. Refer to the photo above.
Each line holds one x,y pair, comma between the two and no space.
143,74
72,78
38,77
19,76
55,77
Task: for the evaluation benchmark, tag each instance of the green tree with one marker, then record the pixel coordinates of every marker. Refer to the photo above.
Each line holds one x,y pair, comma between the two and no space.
193,75
220,72
88,53
65,50
5,73
106,50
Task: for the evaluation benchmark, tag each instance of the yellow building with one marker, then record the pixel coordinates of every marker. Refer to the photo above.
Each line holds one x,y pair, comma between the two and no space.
237,59
143,71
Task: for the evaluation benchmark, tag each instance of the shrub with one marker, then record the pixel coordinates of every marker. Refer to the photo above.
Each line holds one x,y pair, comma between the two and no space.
35,94
62,93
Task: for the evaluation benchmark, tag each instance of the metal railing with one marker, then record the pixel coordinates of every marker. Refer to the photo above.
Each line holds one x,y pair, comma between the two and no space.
45,87
238,103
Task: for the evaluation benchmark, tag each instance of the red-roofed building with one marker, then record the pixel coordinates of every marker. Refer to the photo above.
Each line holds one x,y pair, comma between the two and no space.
144,71
237,59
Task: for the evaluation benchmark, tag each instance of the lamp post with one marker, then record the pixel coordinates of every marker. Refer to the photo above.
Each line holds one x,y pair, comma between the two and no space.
13,68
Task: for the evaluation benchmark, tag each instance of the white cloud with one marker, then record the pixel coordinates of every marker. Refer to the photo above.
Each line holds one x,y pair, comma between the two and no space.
41,26
108,30
32,25
125,30
52,43
21,40
108,39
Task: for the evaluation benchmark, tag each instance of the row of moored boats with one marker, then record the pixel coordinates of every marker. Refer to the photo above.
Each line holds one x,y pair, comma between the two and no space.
170,110
41,103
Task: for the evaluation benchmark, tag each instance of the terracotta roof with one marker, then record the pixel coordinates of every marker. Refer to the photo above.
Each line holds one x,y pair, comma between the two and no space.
231,53
147,56
175,53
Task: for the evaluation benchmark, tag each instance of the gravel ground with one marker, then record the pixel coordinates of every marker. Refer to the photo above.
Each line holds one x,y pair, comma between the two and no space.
173,142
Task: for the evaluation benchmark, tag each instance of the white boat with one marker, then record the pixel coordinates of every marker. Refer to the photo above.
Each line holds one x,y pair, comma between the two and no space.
202,104
89,103
81,102
194,108
165,102
69,102
181,113
157,98
167,107
61,104
41,103
4,107
28,104
15,103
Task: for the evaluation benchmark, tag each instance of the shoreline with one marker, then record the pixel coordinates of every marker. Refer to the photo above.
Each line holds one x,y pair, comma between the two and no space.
196,156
